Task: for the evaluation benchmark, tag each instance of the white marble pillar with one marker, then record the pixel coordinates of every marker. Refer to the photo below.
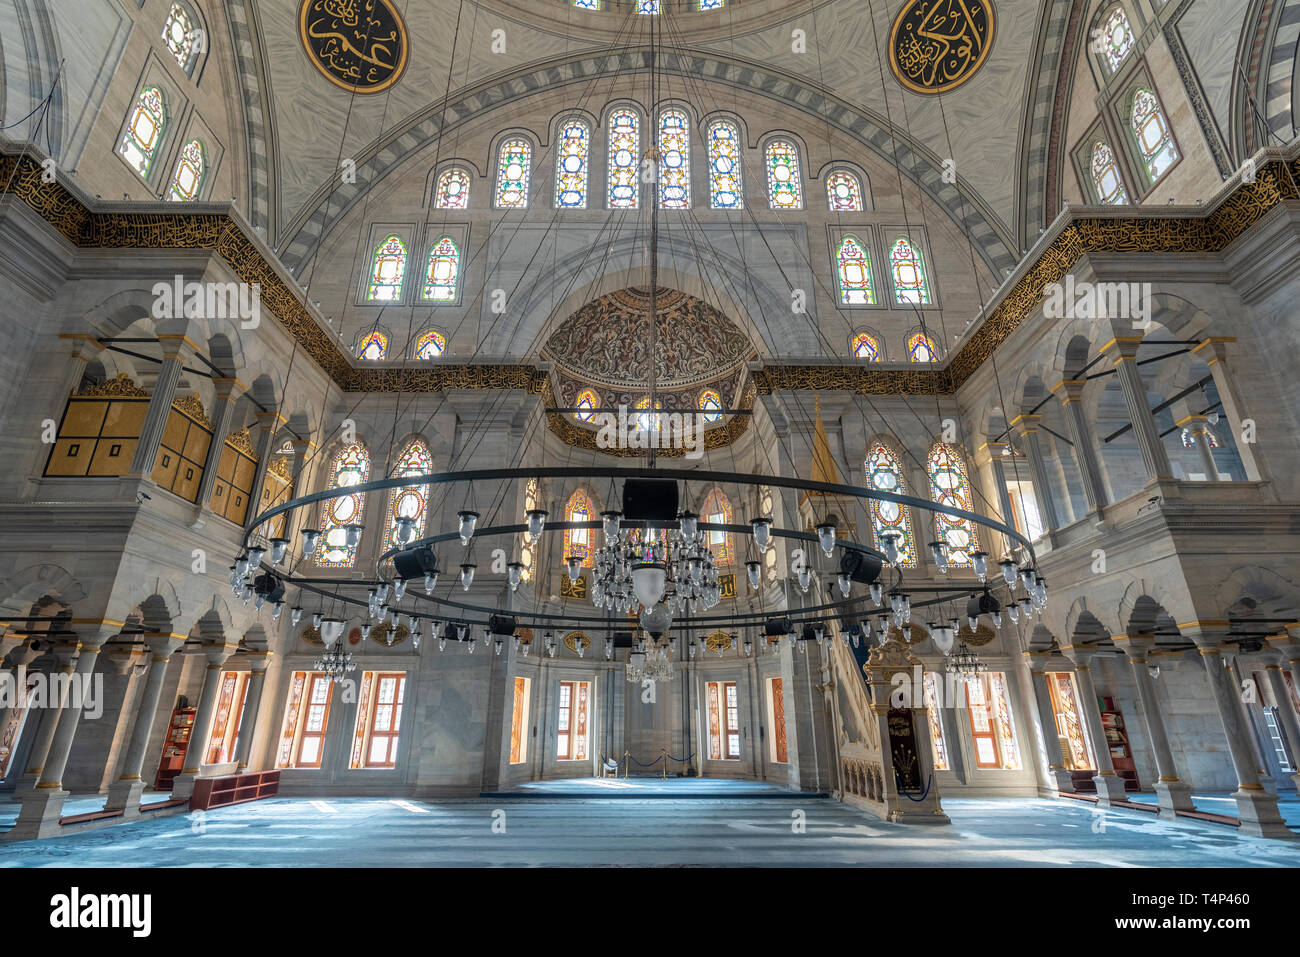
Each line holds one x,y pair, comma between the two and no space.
125,793
183,786
222,412
1070,392
1172,794
1110,786
1026,426
65,654
252,708
1056,769
174,348
1123,350
1214,352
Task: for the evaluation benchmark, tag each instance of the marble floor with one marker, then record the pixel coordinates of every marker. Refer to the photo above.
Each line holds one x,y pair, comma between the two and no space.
728,825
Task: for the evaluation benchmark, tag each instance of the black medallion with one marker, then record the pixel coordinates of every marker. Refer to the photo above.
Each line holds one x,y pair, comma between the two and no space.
937,45
360,45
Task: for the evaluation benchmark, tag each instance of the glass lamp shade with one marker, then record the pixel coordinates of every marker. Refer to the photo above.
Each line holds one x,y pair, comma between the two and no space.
690,525
943,637
805,578
241,567
749,648
980,560
399,589
278,547
468,519
403,529
353,533
573,565
515,574
755,572
611,520
762,532
826,537
310,537
1008,571
896,601
972,621
889,545
316,620
845,584
295,615
636,660
940,559
430,582
331,629
365,631
1013,610
648,580
276,609
467,575
877,592
536,521
255,556
381,593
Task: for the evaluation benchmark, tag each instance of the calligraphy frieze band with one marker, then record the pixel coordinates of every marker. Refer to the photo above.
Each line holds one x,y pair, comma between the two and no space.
937,45
359,45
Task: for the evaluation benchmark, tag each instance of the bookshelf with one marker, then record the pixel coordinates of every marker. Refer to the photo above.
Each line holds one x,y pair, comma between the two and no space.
1121,752
175,745
235,789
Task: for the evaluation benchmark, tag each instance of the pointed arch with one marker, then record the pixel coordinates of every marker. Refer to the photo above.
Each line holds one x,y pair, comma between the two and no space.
585,406
431,344
573,160
387,270
950,485
717,509
580,541
145,130
373,345
884,472
726,190
410,501
865,346
514,171
921,348
350,466
452,191
624,133
532,500
674,159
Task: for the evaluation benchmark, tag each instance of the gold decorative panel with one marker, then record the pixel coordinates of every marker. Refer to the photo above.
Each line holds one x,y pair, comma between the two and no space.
359,45
938,45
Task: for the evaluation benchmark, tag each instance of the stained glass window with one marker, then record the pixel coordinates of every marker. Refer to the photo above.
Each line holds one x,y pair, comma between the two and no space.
711,405
1116,38
373,346
577,541
675,160
430,345
949,486
717,511
712,4
571,166
532,495
843,192
514,167
724,166
587,4
866,347
649,6
854,273
935,720
409,501
444,271
1154,138
149,119
784,190
388,271
642,419
1105,176
921,348
179,35
624,150
351,466
587,404
885,474
188,178
453,189
910,286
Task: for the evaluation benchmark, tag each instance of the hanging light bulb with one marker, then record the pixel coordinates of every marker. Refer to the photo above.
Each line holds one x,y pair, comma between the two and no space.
611,520
997,619
845,583
499,644
882,630
241,567
826,536
940,559
1008,572
276,609
310,537
399,589
1013,610
942,637
648,580
755,572
316,620
1027,577
690,525
468,519
278,548
255,556
762,532
877,592
515,574
973,622
365,631
403,529
467,575
573,565
430,582
889,541
536,521
896,601
382,593
980,560
609,649
295,616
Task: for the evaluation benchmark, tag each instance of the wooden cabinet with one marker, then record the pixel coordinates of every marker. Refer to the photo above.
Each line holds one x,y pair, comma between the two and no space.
1121,752
235,789
175,746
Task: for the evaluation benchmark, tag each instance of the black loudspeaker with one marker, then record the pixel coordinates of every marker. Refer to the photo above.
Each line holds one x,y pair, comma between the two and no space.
501,625
269,587
415,562
650,500
861,567
623,639
774,627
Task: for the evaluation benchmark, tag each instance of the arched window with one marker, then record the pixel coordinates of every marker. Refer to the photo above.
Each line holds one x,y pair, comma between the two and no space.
885,474
453,189
1105,176
532,495
179,34
387,271
1154,139
643,417
1116,39
675,160
843,192
910,286
443,274
624,151
724,166
921,348
372,346
865,346
712,4
711,405
351,466
430,345
571,166
587,4
649,6
144,132
950,486
854,268
784,186
409,501
577,541
586,405
514,167
188,178
717,511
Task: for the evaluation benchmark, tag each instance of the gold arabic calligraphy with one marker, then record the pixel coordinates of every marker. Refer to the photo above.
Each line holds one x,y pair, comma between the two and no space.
359,45
937,45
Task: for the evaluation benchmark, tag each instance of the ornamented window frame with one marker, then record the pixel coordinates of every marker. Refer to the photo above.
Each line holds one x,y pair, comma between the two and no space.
198,27
663,136
410,447
864,236
429,333
582,177
163,133
508,141
916,241
943,524
877,345
637,134
876,510
834,205
329,519
581,496
461,201
717,503
426,282
773,184
381,235
718,181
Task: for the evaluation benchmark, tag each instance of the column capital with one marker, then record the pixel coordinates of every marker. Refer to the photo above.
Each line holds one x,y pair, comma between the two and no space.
228,387
1286,645
1081,655
1121,348
1069,390
1026,423
1137,647
178,346
9,641
1213,348
84,346
163,644
218,653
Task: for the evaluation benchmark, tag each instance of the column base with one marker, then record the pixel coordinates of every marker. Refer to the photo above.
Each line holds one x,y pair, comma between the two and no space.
1110,787
39,815
124,796
26,784
183,785
1268,783
909,816
1062,780
1259,815
1173,796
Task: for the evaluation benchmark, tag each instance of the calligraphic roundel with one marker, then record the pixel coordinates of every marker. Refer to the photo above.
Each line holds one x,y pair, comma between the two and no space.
937,45
359,45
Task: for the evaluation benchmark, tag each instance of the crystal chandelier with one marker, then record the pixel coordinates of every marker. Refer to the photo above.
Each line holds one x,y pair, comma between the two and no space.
650,661
634,570
965,663
335,661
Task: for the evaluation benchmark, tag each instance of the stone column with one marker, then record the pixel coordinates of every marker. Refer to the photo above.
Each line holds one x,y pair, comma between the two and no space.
995,452
1255,806
1056,768
1286,712
125,793
43,805
252,705
1124,352
1026,427
1070,392
1214,352
183,786
84,348
262,434
1200,430
8,642
65,653
1110,786
160,404
221,416
1172,794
